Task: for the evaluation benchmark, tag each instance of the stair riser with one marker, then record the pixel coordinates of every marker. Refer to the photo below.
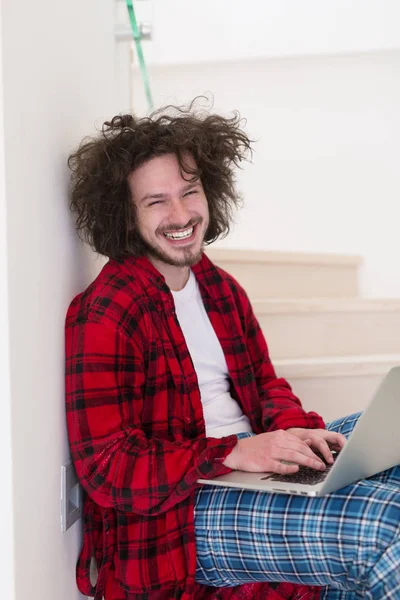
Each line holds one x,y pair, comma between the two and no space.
334,397
333,334
293,281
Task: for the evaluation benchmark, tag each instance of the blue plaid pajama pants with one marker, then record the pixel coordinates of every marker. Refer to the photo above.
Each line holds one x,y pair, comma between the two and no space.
348,542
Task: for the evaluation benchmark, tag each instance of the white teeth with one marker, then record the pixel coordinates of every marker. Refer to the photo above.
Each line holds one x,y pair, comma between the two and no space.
181,235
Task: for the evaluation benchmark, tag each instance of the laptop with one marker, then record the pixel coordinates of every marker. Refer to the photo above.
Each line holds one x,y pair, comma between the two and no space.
373,446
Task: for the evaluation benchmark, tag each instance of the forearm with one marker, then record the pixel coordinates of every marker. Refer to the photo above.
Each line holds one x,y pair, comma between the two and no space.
281,409
132,474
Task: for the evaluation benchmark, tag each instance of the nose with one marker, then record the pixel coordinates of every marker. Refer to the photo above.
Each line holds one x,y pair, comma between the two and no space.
178,213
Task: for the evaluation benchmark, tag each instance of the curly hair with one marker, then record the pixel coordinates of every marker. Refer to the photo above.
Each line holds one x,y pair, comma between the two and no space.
100,194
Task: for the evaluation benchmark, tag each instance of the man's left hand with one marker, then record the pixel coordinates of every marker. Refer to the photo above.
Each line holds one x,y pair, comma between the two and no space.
319,439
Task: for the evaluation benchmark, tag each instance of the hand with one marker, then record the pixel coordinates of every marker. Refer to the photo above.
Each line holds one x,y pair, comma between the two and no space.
319,440
266,451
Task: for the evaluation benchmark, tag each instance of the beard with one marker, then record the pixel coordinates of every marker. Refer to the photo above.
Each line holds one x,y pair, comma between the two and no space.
187,258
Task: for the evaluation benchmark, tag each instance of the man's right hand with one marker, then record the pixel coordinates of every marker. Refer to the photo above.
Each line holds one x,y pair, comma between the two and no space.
266,451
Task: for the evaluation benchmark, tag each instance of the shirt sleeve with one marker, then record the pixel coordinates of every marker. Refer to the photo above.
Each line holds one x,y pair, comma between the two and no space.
280,408
116,463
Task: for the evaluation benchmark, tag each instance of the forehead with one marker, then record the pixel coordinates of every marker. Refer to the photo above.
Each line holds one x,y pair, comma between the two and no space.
159,174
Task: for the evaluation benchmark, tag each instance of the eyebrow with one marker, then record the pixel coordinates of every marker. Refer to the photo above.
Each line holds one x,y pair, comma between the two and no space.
183,190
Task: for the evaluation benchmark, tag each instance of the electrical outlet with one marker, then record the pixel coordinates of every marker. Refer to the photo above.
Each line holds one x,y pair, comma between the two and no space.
71,497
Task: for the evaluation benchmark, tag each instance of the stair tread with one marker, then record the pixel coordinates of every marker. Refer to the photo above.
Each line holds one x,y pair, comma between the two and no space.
275,256
351,359
336,366
332,305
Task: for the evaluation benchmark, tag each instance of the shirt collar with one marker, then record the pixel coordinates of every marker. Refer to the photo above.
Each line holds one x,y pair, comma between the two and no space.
150,276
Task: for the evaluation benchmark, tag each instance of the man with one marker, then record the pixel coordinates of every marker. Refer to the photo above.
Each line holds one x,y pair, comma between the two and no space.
168,380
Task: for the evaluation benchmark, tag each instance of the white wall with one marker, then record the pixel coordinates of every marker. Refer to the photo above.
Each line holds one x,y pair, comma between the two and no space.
325,171
58,81
213,31
6,497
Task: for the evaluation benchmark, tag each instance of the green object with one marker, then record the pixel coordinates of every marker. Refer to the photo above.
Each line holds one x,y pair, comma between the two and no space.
139,50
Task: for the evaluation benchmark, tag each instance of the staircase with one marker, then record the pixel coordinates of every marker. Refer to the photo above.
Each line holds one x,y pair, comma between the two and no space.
332,346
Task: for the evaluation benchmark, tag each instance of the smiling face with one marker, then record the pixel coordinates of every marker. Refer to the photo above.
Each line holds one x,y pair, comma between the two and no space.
171,212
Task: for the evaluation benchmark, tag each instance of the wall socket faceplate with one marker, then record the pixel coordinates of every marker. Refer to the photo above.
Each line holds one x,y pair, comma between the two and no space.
71,496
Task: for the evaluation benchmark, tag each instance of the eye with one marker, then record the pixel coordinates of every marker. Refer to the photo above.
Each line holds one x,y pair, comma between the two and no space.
190,192
155,202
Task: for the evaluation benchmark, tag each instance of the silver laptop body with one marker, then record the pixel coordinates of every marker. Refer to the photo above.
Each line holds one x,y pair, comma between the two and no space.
373,446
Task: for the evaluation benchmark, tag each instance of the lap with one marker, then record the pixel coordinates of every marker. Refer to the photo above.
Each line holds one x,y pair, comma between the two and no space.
296,538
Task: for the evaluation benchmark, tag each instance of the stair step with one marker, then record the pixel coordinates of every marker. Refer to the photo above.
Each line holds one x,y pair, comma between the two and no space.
336,386
265,274
302,328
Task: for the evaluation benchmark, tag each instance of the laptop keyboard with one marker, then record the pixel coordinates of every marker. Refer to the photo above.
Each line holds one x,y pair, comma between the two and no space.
304,475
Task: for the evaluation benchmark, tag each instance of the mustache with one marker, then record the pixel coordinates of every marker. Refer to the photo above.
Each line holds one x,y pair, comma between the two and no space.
174,227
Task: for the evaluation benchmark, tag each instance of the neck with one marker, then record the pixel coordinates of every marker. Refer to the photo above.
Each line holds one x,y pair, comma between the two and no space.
175,277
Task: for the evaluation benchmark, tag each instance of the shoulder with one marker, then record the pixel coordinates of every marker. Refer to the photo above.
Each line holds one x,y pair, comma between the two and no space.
115,298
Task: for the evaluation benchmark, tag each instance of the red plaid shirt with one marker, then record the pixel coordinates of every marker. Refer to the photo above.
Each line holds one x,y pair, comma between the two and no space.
136,427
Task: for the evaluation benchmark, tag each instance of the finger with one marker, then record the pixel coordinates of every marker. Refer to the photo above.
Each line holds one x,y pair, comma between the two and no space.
276,466
339,440
300,458
335,439
288,442
306,449
322,446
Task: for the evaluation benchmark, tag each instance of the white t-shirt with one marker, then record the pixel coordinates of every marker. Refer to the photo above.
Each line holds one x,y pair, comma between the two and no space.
222,414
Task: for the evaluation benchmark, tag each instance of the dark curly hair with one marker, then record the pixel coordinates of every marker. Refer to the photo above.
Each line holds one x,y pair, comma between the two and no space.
100,194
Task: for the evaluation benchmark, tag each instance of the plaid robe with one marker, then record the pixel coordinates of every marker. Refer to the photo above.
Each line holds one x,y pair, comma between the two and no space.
136,427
